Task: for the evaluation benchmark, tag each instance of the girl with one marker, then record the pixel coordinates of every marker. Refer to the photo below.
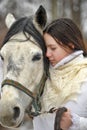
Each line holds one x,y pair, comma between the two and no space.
68,67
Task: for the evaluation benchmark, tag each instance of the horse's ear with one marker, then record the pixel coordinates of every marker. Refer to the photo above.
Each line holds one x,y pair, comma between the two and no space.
9,20
40,17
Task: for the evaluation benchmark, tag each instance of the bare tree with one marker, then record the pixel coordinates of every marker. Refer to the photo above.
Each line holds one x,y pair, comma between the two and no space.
54,9
76,11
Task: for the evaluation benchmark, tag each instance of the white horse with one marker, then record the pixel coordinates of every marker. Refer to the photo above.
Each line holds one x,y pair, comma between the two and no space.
25,67
25,72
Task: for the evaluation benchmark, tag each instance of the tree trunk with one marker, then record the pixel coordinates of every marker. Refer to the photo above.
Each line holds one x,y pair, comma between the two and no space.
54,9
76,12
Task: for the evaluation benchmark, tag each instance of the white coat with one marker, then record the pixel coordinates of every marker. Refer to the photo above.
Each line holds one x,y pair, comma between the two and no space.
78,108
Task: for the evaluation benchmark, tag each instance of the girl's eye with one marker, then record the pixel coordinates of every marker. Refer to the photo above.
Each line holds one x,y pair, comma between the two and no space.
53,48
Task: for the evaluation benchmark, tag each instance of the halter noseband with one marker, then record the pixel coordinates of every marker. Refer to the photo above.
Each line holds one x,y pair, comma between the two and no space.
34,96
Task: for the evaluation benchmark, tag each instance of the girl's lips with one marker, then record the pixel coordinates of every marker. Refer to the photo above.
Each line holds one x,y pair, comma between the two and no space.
52,62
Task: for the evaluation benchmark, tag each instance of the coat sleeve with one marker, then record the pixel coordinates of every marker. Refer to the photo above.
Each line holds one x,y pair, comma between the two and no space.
79,110
79,123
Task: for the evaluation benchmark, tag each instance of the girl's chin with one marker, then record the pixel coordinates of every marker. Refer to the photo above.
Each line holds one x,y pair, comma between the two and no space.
53,64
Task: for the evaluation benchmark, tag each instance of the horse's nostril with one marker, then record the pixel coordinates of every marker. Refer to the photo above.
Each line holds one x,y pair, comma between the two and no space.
16,112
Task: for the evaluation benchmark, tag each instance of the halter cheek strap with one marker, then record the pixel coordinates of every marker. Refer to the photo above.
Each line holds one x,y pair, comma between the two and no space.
18,86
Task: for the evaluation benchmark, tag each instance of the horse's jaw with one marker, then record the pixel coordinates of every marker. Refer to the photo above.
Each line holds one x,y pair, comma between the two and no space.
13,104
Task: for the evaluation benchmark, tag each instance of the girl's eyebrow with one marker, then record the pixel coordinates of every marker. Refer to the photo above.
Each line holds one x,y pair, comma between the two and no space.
51,45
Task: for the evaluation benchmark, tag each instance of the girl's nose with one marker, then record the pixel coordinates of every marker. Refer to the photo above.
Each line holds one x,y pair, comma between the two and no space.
48,53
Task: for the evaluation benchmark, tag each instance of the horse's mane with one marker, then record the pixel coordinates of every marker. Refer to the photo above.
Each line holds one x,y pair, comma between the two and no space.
26,25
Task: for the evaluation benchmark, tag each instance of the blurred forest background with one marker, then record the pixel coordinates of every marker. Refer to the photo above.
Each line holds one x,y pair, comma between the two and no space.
74,9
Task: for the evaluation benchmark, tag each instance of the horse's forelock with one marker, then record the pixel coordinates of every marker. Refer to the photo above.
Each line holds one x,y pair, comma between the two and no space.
25,25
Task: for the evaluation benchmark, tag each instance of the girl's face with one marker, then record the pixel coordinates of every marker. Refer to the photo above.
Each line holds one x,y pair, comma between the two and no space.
55,52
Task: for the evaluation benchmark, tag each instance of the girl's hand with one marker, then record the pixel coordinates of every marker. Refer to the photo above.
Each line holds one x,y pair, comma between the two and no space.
66,120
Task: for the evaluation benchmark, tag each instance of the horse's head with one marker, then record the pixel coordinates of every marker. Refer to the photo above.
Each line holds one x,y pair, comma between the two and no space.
23,54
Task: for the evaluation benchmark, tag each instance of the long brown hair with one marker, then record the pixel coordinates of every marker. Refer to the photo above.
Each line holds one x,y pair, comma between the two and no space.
66,31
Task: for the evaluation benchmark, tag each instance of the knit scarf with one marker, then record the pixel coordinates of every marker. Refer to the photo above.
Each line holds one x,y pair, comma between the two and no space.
64,83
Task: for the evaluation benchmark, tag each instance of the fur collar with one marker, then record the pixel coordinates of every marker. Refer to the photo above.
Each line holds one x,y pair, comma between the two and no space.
65,82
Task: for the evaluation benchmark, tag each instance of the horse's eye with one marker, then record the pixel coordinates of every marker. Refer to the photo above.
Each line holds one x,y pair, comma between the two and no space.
36,57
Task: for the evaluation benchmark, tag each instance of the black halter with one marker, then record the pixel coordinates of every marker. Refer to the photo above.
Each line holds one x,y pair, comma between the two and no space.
35,96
